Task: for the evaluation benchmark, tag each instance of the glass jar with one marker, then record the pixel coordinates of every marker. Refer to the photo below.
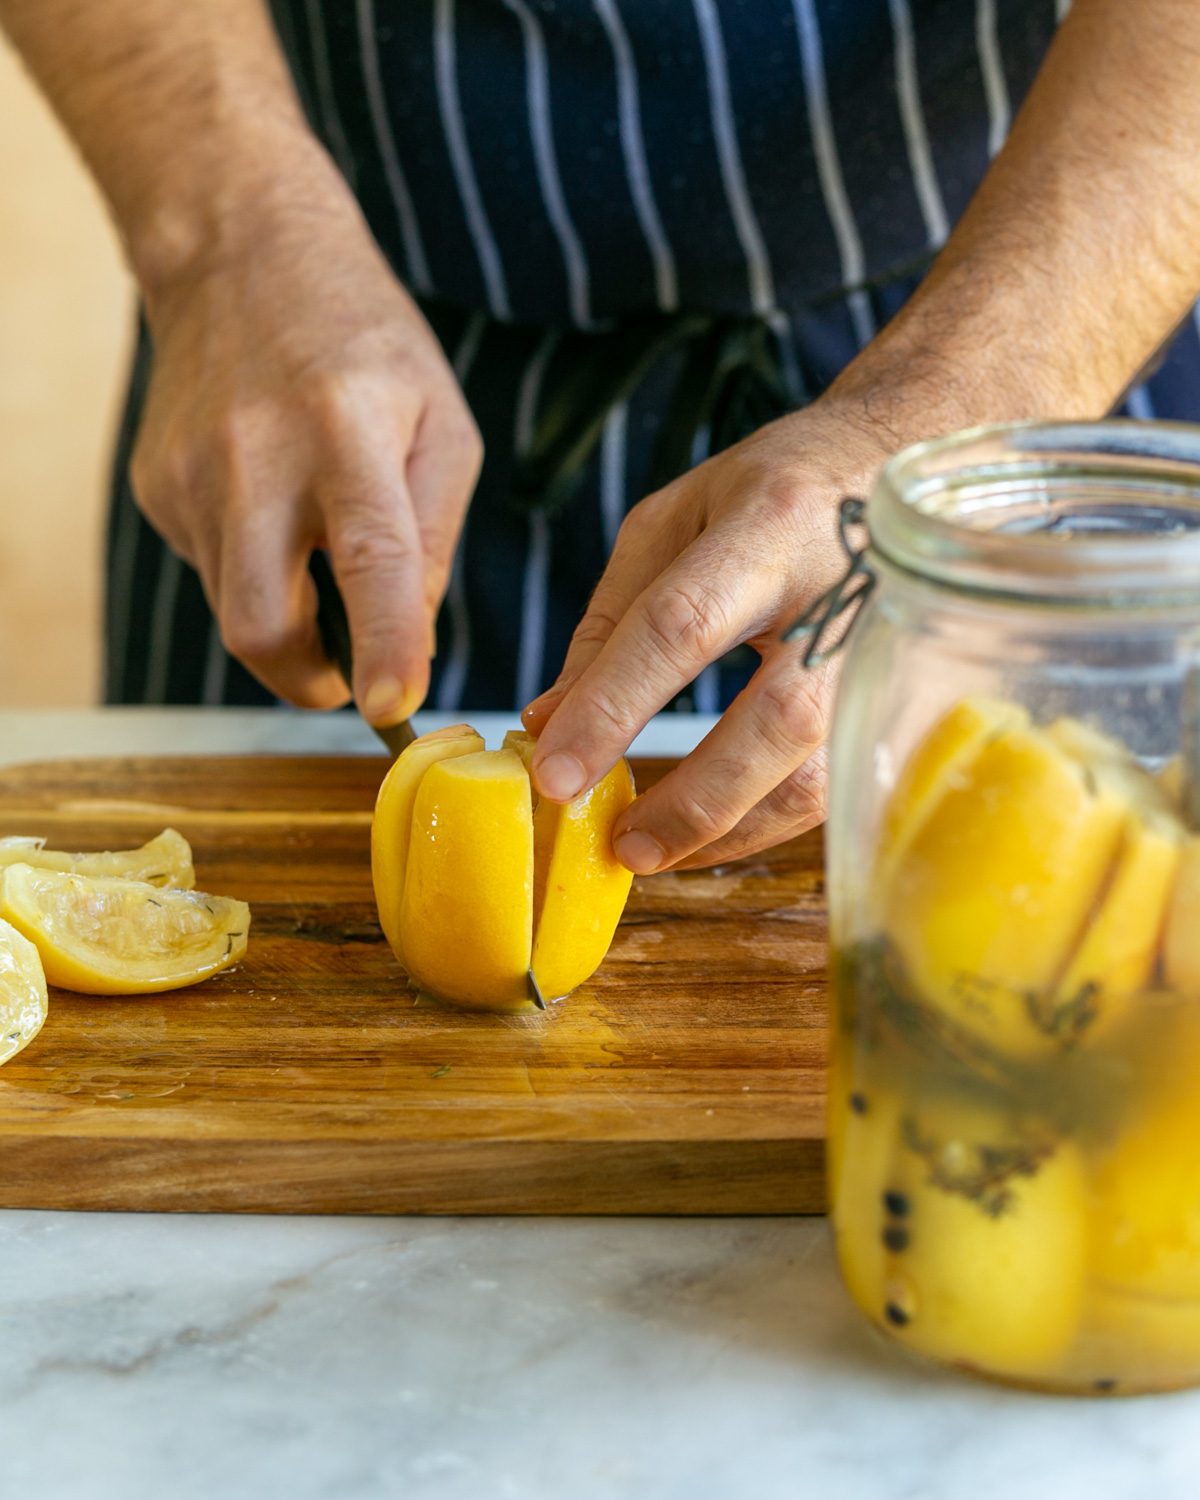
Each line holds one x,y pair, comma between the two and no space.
1014,889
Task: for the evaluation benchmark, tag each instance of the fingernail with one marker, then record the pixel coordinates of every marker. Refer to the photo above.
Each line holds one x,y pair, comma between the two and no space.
638,852
386,701
560,777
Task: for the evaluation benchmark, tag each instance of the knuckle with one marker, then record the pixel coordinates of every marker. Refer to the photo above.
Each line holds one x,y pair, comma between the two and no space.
704,815
799,800
688,624
365,545
613,716
791,713
256,638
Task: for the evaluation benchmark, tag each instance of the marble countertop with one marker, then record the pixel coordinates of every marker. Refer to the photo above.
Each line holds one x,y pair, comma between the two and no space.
221,1357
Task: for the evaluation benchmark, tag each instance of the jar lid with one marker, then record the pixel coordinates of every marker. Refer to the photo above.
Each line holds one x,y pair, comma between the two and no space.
1080,513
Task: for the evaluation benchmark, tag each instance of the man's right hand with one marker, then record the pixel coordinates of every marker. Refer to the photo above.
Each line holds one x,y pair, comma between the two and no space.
299,400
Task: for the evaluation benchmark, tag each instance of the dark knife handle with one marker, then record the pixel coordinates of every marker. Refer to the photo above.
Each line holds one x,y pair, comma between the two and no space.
335,637
331,616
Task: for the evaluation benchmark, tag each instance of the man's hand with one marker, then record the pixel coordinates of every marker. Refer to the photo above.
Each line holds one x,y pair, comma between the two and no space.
1077,258
730,553
299,400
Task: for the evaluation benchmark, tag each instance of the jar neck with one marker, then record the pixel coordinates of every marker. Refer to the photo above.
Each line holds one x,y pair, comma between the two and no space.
1104,513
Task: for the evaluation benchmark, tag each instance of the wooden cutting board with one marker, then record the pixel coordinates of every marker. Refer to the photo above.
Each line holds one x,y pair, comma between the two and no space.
687,1077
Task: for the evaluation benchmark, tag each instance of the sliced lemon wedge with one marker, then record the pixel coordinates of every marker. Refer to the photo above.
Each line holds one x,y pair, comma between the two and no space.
22,992
164,861
103,936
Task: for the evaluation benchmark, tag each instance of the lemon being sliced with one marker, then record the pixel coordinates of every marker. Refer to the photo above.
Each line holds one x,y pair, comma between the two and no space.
101,936
165,860
22,992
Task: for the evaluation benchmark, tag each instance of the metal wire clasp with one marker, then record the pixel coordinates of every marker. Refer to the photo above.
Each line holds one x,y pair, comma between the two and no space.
847,595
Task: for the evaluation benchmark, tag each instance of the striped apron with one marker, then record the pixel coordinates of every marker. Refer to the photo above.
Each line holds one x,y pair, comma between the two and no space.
548,175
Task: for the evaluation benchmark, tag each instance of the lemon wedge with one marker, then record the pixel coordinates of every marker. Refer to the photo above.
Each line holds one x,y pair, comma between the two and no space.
104,936
22,992
164,861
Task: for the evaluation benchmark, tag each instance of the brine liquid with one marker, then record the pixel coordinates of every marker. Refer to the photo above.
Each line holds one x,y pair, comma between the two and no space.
1033,1217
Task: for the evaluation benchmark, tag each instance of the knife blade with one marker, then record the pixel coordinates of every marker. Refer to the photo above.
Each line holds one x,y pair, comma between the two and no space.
335,637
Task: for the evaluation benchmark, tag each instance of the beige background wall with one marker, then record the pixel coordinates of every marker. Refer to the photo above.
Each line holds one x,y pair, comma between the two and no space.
65,323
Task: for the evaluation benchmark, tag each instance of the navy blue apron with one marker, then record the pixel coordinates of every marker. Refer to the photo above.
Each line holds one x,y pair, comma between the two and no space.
624,189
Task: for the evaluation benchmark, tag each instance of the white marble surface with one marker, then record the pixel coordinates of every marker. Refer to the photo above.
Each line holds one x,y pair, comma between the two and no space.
215,1358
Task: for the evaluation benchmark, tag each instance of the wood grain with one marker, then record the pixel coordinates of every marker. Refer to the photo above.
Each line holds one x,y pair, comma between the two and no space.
687,1077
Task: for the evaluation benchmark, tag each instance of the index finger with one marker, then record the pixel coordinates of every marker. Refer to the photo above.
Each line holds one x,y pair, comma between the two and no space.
378,560
716,594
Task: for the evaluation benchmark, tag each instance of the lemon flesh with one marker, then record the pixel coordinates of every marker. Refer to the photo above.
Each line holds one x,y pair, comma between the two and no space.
391,827
466,911
103,936
164,861
23,999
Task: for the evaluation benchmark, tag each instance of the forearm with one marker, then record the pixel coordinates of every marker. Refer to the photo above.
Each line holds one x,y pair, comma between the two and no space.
185,114
1081,251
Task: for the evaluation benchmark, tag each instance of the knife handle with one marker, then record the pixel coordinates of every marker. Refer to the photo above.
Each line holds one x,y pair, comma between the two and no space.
331,616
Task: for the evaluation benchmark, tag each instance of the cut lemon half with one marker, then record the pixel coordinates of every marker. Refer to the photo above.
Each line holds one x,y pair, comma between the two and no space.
22,992
164,861
101,936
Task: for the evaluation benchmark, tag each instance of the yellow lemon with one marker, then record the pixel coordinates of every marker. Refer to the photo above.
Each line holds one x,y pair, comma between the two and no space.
391,827
102,936
479,884
165,860
987,901
22,992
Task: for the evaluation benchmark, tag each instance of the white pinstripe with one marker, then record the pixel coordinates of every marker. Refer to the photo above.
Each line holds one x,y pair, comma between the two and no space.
406,215
216,664
733,176
637,170
450,108
162,615
1139,403
532,648
1061,7
829,170
995,85
612,473
916,137
458,661
541,132
1196,316
331,118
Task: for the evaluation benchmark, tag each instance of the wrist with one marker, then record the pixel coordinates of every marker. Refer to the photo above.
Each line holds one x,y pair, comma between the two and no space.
223,206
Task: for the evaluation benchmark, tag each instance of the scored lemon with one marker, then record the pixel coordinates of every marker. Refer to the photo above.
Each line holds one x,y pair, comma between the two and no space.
165,860
103,936
23,999
479,884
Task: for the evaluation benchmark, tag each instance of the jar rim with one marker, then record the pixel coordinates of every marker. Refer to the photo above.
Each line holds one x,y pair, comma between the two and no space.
1075,512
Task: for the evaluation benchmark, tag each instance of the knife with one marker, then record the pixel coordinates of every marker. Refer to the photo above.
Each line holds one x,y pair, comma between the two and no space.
335,637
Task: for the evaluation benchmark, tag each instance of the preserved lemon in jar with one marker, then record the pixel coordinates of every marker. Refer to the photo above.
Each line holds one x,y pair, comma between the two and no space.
1014,885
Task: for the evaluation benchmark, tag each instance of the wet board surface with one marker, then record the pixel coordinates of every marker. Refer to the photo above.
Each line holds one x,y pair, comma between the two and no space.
686,1077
